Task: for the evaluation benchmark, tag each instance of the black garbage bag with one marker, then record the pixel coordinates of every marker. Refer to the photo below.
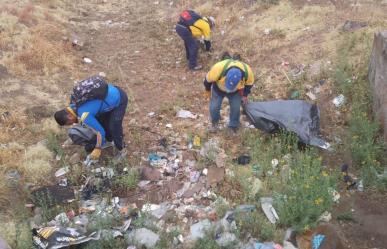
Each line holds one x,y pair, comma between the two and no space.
296,116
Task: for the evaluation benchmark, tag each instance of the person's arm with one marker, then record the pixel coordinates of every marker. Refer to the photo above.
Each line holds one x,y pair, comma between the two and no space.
92,108
249,82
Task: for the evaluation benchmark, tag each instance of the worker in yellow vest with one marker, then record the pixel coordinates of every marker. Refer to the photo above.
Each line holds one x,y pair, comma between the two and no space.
232,79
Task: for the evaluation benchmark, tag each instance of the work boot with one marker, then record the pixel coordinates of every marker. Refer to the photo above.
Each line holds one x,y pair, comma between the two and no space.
107,144
196,68
213,128
121,155
232,131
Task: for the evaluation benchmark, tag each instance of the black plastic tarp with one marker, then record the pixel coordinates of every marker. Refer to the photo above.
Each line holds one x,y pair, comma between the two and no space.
296,116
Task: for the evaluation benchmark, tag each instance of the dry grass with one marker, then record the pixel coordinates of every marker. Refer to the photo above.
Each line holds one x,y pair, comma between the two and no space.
26,15
36,165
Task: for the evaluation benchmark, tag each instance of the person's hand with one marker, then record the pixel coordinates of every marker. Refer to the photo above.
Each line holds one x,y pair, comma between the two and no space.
207,95
93,157
95,154
244,100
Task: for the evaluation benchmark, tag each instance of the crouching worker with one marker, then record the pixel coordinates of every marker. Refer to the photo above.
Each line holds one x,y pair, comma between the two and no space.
190,28
98,108
232,79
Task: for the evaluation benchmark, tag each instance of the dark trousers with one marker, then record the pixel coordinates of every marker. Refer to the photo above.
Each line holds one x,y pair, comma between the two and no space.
190,44
112,124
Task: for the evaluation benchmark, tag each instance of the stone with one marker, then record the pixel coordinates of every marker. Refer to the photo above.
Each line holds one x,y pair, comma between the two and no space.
353,25
226,239
143,237
377,75
150,174
199,229
4,244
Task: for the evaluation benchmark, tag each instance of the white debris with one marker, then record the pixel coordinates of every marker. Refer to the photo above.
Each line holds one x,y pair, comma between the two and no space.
311,95
87,60
185,114
339,100
268,209
267,31
61,172
168,126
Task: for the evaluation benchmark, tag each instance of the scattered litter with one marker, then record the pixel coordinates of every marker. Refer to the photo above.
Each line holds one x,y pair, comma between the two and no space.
268,209
58,237
335,195
61,172
185,114
274,163
150,207
360,186
351,183
194,176
161,210
151,114
339,100
317,240
295,94
243,159
142,184
325,217
267,31
168,126
205,171
87,60
197,141
311,95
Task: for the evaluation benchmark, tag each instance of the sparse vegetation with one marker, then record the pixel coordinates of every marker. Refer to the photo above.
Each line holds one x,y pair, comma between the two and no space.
363,133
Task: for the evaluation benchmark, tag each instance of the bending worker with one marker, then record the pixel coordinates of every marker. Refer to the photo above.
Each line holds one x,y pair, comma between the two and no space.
101,107
232,79
190,28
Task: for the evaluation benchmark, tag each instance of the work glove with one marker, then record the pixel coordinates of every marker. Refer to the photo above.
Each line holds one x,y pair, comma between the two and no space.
207,95
93,157
244,100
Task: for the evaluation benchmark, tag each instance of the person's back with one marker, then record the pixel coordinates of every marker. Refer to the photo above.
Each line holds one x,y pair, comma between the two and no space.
104,113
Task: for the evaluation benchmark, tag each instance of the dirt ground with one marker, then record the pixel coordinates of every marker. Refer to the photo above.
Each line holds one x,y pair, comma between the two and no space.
134,43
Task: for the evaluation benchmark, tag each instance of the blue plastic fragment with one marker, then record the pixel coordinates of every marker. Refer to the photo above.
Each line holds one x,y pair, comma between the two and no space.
317,240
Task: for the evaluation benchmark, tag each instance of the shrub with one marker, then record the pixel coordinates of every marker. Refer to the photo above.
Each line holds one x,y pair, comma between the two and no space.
307,194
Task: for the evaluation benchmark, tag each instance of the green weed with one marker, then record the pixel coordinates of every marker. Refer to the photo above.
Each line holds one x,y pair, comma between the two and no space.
351,79
254,224
307,194
128,180
346,216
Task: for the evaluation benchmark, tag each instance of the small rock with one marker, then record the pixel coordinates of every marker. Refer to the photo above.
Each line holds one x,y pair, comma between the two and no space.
267,31
199,229
226,239
144,237
353,25
4,244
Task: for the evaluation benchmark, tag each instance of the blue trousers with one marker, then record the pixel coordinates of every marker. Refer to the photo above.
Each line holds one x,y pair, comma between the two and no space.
190,44
112,123
216,103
